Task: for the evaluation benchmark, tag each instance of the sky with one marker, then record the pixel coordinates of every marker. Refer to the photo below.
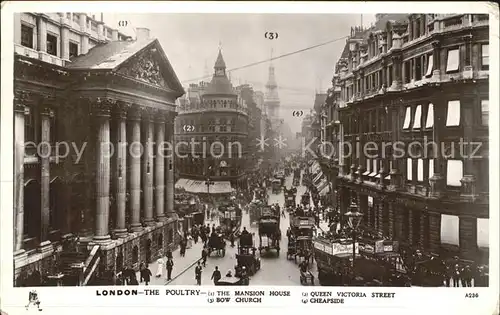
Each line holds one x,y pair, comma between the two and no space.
191,43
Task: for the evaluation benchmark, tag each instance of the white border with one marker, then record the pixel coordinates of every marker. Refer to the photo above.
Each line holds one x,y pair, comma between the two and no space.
420,300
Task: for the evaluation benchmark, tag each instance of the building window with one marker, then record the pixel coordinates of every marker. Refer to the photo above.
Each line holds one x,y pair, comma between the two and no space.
453,115
418,117
406,123
29,125
484,112
73,49
453,60
409,169
430,65
26,36
450,229
485,56
454,172
223,127
431,168
483,233
430,116
407,73
52,45
211,125
420,170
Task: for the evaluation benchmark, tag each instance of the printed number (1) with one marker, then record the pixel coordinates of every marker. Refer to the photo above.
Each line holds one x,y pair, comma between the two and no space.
471,295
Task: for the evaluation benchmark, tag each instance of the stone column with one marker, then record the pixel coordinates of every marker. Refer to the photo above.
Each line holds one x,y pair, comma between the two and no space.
160,168
64,41
135,151
468,189
120,175
437,184
85,34
410,27
103,165
411,237
434,231
436,73
147,167
423,229
46,114
17,28
19,112
396,69
41,36
468,236
170,164
395,172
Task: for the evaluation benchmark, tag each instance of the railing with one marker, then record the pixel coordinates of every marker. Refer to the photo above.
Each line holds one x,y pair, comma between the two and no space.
90,265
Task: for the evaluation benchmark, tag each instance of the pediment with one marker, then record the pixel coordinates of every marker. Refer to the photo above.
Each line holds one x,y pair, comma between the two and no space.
150,65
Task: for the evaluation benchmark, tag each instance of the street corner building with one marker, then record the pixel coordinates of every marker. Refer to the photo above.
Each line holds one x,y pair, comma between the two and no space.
414,78
214,127
84,213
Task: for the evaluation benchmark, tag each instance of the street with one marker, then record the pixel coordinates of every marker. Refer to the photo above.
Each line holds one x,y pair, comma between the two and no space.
274,270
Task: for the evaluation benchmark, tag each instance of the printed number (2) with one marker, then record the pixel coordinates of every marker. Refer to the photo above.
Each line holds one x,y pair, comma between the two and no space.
471,295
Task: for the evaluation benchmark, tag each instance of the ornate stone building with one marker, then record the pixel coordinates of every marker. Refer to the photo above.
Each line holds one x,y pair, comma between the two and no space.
416,79
86,168
215,117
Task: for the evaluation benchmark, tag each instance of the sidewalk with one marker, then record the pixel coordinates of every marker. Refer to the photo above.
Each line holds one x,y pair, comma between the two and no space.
193,254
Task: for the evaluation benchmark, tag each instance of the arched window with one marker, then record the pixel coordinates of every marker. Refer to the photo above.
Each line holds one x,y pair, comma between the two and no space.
223,126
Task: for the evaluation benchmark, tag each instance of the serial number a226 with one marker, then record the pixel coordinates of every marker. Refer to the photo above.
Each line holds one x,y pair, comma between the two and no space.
471,295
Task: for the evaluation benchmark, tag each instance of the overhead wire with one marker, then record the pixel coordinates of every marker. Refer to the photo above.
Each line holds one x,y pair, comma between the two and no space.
272,58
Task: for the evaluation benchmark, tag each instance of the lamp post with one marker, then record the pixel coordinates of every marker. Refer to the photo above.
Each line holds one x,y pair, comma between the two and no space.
354,219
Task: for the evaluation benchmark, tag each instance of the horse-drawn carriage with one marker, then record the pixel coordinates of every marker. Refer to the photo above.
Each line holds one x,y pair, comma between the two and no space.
246,254
230,219
300,242
261,194
305,199
217,243
276,186
290,195
269,230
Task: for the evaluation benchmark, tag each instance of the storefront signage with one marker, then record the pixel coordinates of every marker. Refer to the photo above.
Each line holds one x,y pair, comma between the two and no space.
388,248
339,248
379,246
319,246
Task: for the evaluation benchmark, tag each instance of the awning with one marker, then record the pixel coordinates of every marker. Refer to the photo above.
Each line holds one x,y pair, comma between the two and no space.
199,186
325,191
316,179
322,184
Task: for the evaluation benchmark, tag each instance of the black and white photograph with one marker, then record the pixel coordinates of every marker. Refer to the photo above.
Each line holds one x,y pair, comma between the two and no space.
250,149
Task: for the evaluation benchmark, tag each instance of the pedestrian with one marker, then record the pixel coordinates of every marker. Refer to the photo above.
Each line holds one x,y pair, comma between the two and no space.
204,255
197,273
231,239
145,275
182,245
456,276
216,276
170,266
169,253
159,269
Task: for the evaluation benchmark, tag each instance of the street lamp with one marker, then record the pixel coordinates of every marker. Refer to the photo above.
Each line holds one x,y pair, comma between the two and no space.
354,219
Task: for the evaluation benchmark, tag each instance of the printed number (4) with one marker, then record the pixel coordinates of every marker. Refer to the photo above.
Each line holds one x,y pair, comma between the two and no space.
471,295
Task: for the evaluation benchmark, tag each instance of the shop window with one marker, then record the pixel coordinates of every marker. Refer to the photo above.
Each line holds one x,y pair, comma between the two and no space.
73,49
407,120
420,170
453,114
454,172
484,112
431,168
26,36
430,116
430,65
52,45
418,117
485,56
453,60
409,169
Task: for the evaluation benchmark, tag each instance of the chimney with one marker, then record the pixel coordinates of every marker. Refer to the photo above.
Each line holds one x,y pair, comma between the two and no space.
142,33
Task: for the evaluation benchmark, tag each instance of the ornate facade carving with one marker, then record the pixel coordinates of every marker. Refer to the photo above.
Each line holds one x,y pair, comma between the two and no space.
145,68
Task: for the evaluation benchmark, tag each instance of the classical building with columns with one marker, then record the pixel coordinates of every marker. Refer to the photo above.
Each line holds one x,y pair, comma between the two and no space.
214,116
94,164
413,80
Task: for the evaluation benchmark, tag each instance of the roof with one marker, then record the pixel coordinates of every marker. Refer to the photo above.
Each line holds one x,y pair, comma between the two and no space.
219,63
220,85
111,55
